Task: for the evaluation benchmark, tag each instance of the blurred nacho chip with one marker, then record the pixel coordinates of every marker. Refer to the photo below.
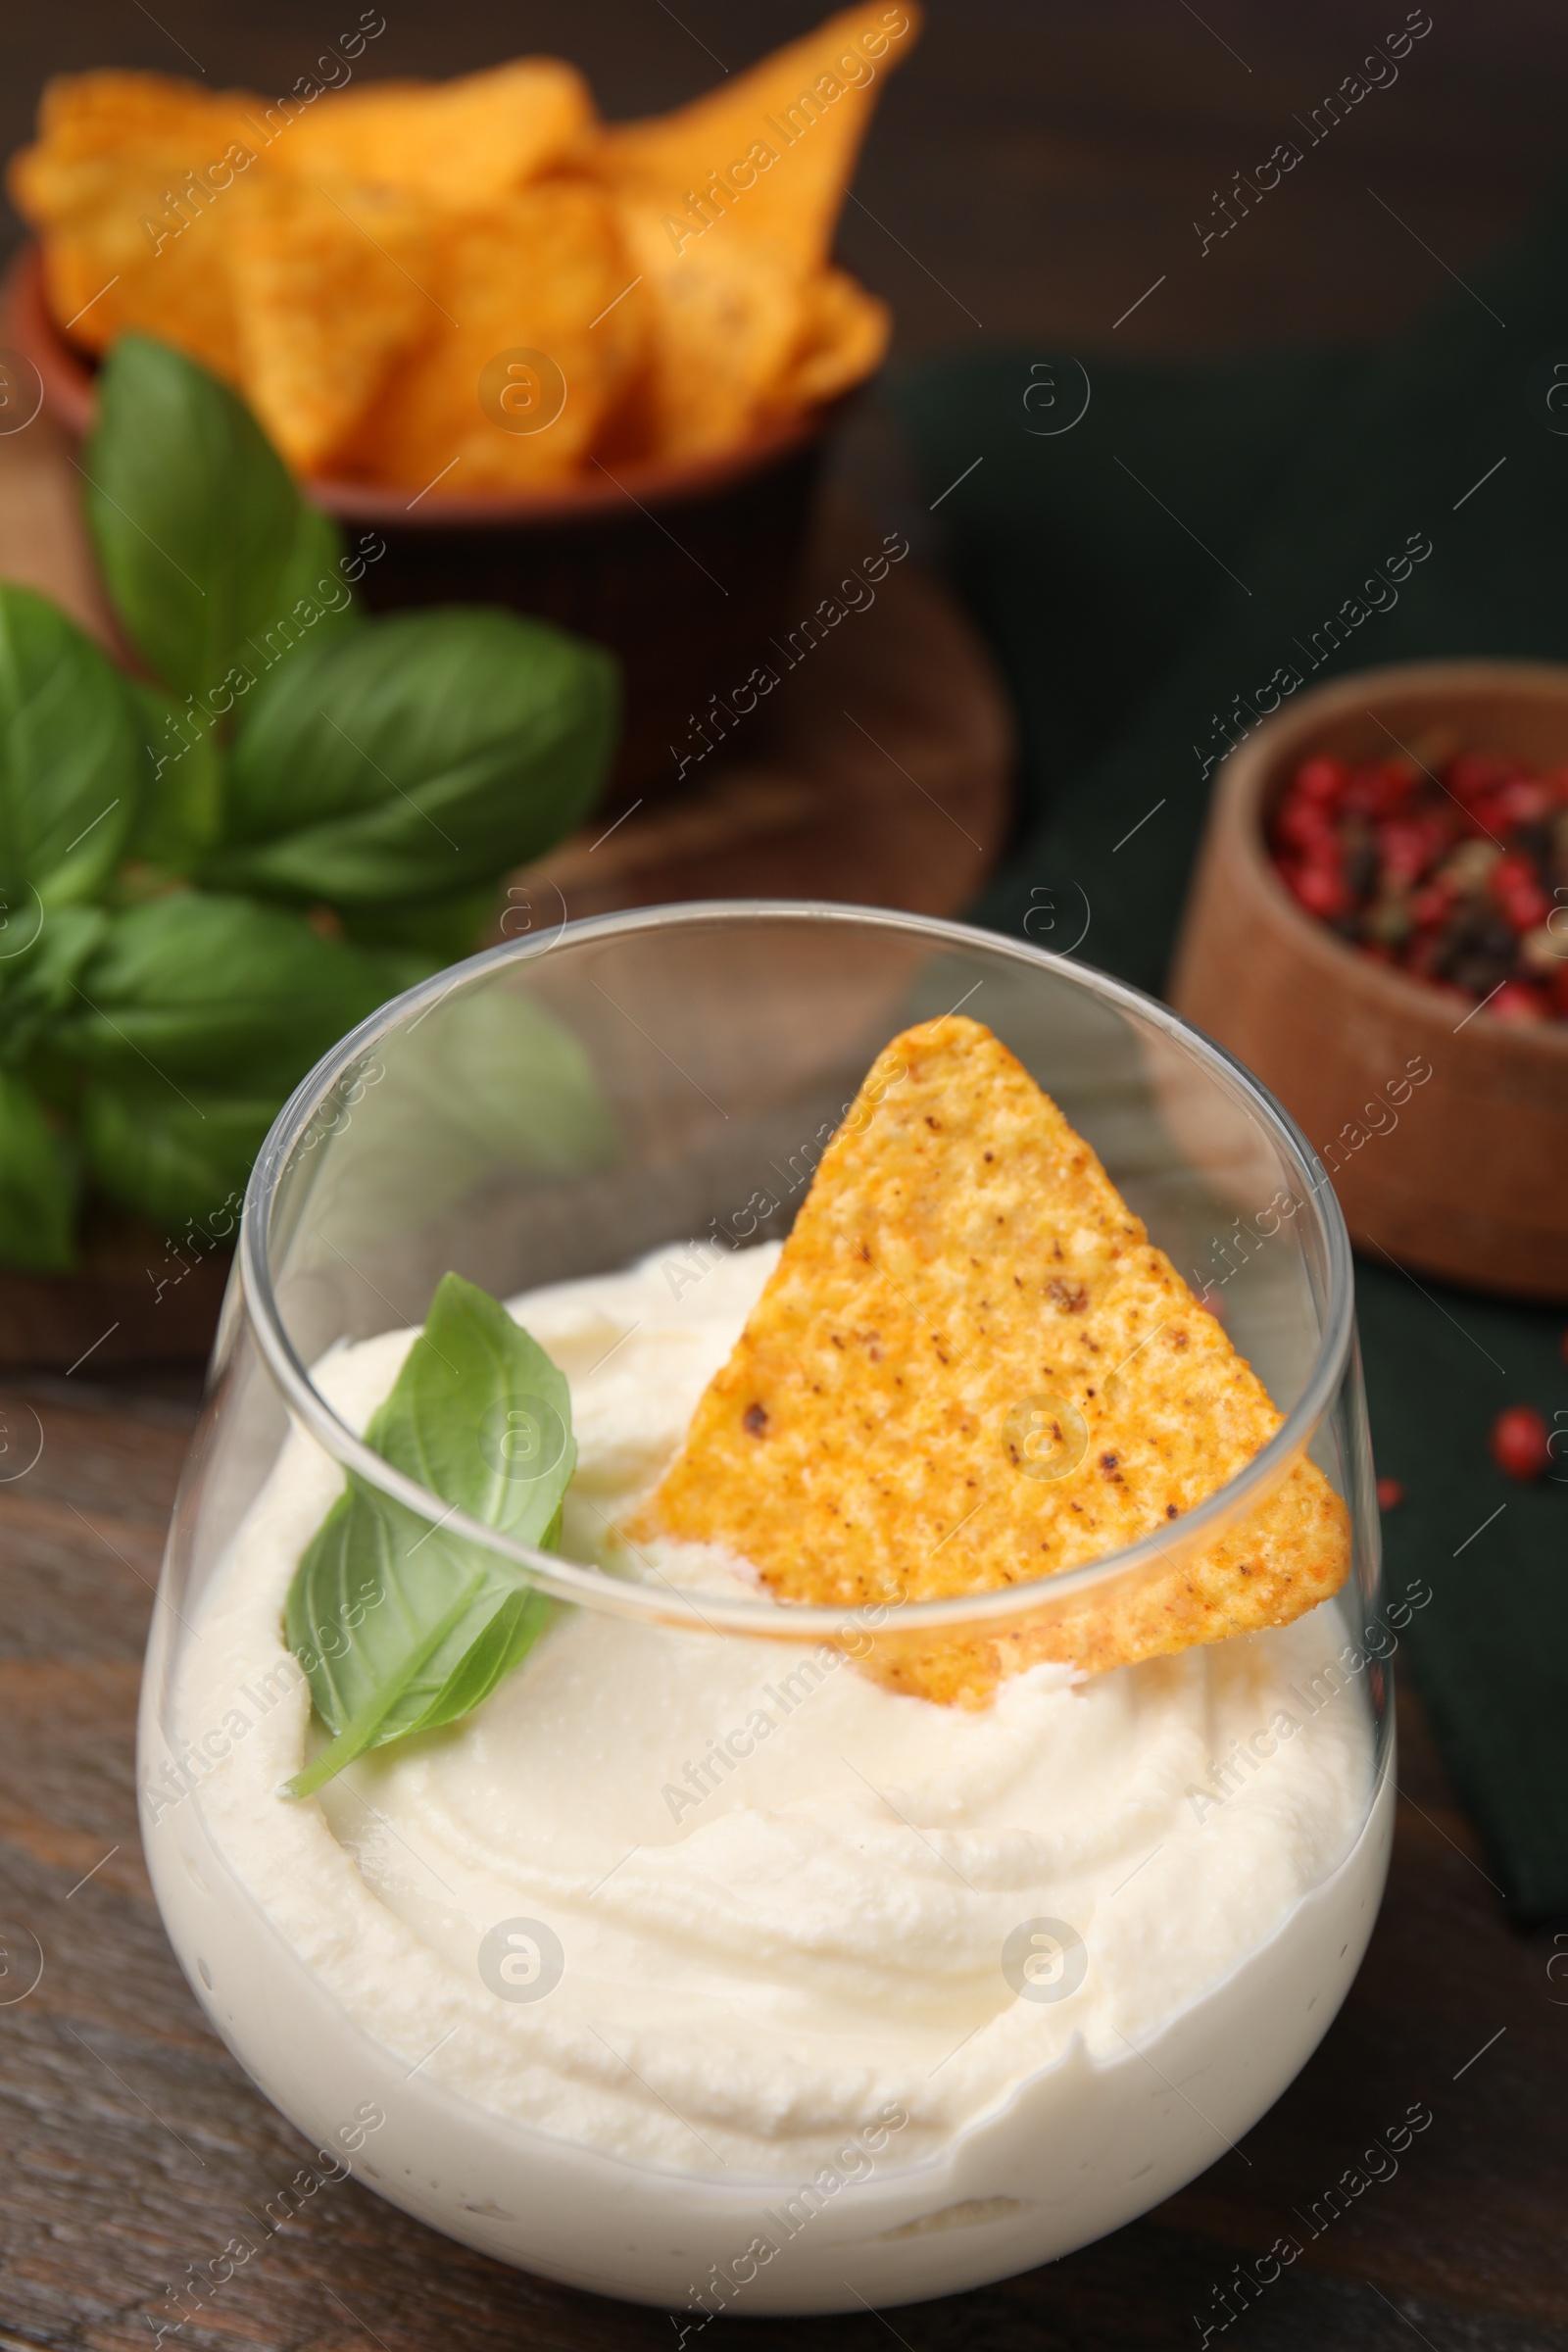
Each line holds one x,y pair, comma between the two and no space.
125,185
972,1368
105,112
843,339
101,279
361,260
541,332
330,290
726,319
461,146
772,149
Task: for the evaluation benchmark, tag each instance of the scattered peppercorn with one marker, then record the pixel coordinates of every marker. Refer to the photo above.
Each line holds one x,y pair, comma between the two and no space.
1456,874
1390,1494
1521,1443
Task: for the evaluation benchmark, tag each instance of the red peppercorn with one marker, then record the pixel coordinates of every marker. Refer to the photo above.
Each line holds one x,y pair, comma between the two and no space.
1321,890
1321,780
1521,1441
1485,819
1513,884
1365,849
1471,773
1527,802
1303,826
1407,850
1527,908
1432,901
1390,1494
1363,794
1517,1000
1397,780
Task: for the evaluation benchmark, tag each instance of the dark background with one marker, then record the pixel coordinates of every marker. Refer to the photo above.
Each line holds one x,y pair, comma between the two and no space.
1034,166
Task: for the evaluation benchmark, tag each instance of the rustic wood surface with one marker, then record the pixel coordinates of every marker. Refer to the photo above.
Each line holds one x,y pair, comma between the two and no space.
1037,168
133,2146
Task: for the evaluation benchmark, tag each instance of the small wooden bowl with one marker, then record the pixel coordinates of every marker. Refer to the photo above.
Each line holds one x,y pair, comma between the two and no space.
1465,1174
684,569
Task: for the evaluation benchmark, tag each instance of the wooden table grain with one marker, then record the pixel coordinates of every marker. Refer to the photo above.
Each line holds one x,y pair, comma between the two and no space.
132,2149
1035,170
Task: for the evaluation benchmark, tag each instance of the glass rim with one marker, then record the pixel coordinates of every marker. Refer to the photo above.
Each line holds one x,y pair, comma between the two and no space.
702,1610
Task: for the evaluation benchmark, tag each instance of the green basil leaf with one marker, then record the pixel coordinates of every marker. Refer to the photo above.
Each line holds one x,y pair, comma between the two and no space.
469,1625
399,1624
446,929
210,553
37,984
171,1153
419,758
69,758
218,990
480,1416
38,1191
182,798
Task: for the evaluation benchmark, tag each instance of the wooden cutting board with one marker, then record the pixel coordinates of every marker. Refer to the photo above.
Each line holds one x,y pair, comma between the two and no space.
877,770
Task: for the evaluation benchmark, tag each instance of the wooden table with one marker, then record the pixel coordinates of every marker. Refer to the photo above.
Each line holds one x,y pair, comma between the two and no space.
1036,168
133,2146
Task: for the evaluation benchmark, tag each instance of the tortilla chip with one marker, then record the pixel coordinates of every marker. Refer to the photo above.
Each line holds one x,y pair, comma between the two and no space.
725,319
116,108
127,187
771,151
461,146
971,1367
844,337
354,261
331,289
102,276
541,273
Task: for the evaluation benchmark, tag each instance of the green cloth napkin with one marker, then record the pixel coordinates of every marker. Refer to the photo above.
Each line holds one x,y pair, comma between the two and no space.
1136,574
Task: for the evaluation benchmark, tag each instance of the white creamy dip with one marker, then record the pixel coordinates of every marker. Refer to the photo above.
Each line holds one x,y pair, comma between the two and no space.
782,1894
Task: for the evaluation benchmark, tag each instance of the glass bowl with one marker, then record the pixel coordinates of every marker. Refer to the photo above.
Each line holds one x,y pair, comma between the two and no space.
692,1969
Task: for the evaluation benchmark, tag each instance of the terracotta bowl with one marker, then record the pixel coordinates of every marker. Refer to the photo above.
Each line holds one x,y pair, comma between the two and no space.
1464,1173
684,569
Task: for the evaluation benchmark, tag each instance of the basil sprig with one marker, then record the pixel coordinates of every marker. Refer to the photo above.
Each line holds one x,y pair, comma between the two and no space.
399,1624
71,760
204,541
384,766
205,879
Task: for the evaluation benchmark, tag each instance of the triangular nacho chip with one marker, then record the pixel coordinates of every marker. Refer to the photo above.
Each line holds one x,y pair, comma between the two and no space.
459,145
970,1368
127,185
540,286
332,291
726,318
846,334
770,152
